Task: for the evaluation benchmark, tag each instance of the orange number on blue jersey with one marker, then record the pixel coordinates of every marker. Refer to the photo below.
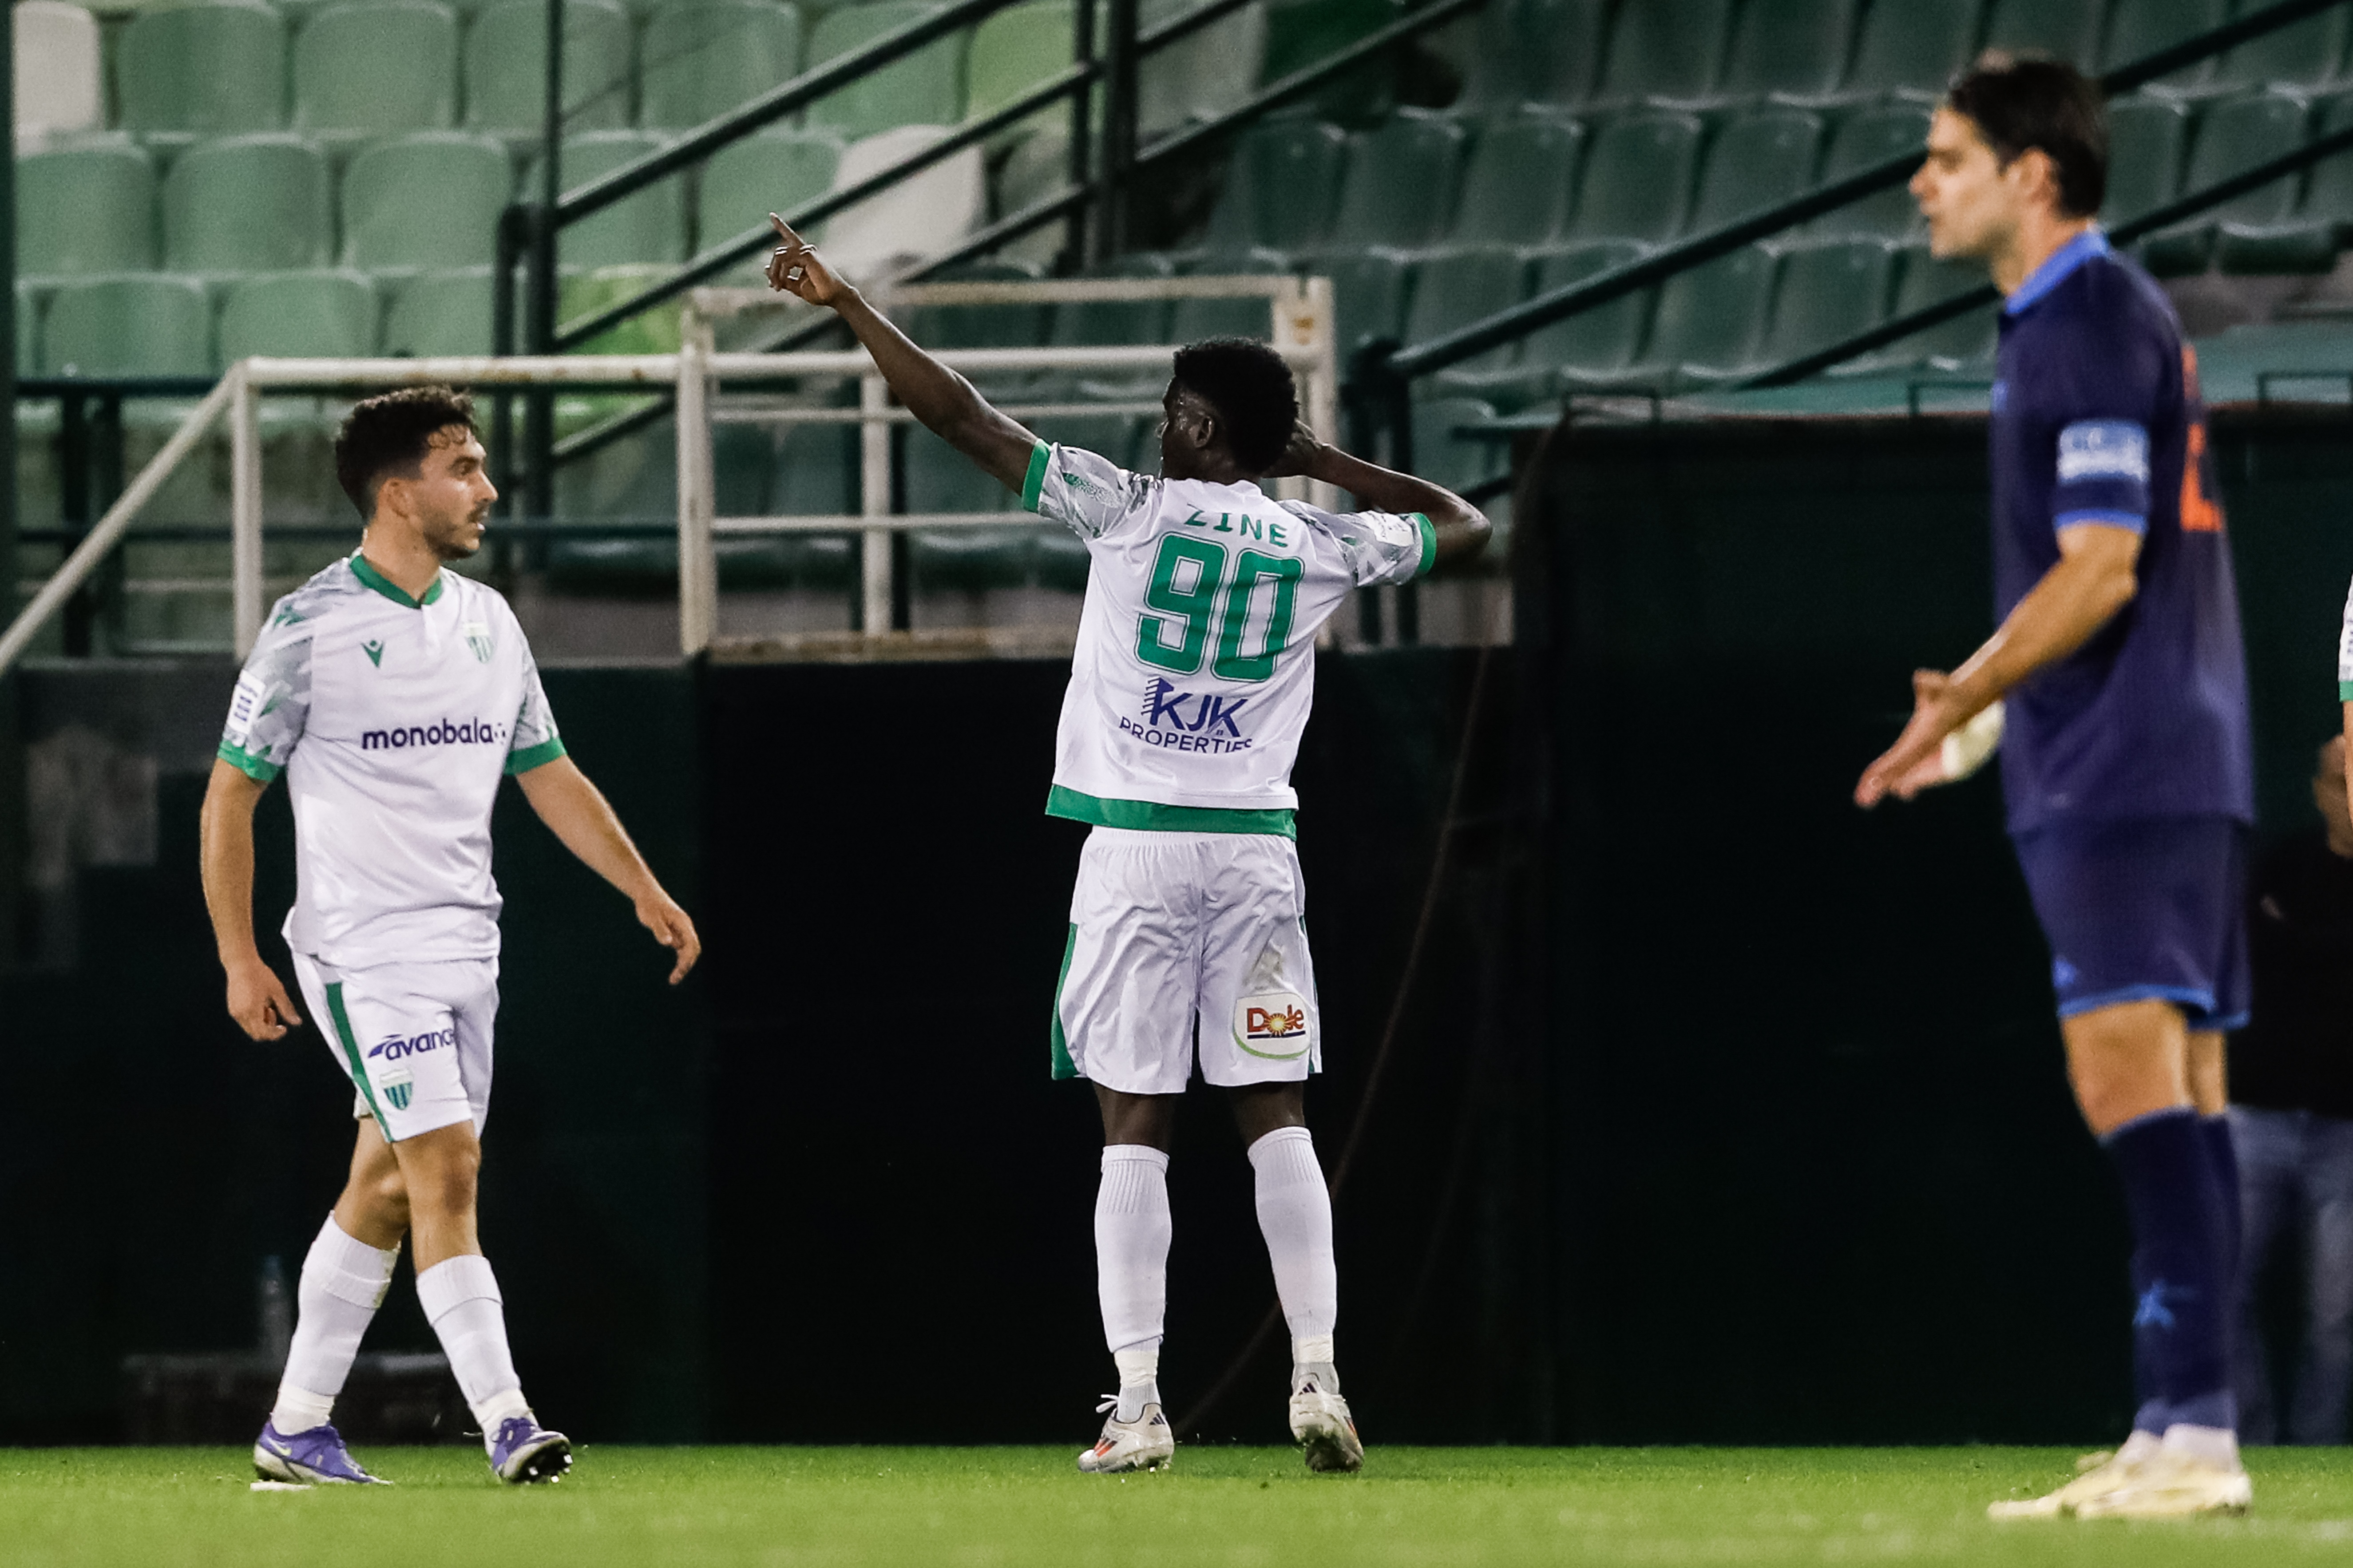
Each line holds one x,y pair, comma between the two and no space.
2200,514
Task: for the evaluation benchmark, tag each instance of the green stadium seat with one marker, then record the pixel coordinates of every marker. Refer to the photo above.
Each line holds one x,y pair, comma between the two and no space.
1519,180
1281,184
1399,188
1638,179
258,204
925,88
2308,241
506,67
1791,47
1022,326
1015,51
85,209
1912,45
2067,28
935,476
1452,290
2138,28
1828,293
1096,323
28,326
1206,73
771,171
132,324
2303,54
1535,51
60,72
700,61
1592,345
1235,316
1664,51
1961,343
1369,293
814,474
1301,33
1862,139
1707,324
1443,458
584,293
436,314
649,225
299,315
2232,135
382,69
431,201
2145,137
1755,161
206,67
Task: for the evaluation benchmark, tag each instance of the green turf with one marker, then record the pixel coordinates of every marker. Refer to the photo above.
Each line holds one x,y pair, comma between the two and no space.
1016,1507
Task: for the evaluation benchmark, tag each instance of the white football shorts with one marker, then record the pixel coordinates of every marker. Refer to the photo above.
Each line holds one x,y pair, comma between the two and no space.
1172,929
414,1039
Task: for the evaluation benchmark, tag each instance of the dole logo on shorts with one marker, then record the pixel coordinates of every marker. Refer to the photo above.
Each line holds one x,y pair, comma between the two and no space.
1272,1025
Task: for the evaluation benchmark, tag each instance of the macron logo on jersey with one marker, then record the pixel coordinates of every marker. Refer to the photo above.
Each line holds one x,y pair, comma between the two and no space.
2104,449
441,732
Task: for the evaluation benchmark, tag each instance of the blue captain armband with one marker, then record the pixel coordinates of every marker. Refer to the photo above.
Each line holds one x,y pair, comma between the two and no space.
2128,520
2103,475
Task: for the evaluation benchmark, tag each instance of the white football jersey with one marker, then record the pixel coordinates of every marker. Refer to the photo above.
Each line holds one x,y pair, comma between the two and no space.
394,719
1195,662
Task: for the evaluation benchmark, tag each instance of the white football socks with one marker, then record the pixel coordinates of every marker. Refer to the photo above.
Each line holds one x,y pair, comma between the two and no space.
1132,1231
1294,1211
461,1300
343,1282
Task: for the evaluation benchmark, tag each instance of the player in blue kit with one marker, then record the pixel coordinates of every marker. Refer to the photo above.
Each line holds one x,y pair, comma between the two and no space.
2125,766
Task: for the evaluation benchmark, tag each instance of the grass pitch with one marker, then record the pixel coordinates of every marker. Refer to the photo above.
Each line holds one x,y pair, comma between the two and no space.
979,1508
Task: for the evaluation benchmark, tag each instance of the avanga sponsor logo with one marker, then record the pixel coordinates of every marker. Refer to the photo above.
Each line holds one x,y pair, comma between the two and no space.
441,732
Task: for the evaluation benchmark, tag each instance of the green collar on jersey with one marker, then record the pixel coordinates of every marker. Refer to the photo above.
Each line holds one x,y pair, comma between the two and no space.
390,589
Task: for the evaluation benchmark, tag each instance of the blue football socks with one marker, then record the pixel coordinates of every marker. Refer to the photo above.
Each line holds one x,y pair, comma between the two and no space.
2180,1270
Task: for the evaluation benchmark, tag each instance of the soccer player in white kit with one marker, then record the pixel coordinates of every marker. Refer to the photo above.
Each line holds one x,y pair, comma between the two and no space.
1189,688
394,695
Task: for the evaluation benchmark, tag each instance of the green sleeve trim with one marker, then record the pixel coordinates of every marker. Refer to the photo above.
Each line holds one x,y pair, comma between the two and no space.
2345,691
261,770
1056,1042
537,756
1428,543
1033,486
1151,816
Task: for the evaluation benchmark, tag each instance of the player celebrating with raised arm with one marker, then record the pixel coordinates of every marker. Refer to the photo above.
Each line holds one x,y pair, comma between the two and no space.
394,695
2126,768
1189,687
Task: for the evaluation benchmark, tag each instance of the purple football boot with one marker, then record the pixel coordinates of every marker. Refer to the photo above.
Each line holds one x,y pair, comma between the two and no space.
308,1458
525,1452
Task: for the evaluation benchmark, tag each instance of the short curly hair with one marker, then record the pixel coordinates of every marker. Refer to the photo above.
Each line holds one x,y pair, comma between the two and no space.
389,435
1250,387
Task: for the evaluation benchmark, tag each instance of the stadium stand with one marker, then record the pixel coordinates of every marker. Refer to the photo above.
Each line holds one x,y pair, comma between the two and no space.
86,209
59,74
376,69
701,60
925,88
207,68
774,171
425,201
127,324
260,203
506,67
649,225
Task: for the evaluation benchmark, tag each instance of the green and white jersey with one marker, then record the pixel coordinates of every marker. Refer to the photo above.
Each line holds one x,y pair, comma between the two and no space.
1196,663
394,719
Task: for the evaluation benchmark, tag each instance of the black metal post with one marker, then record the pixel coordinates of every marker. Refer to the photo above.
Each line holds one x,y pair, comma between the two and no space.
73,512
539,420
13,823
1083,53
104,588
1118,132
513,224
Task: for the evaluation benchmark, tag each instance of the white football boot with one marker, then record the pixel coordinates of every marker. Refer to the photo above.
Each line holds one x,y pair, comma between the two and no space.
2173,1484
2101,1474
1143,1444
1321,1422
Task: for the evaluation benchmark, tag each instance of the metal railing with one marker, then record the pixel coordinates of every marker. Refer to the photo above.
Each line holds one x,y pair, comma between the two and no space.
1300,324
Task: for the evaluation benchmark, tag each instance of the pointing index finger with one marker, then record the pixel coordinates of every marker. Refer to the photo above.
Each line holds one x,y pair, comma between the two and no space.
784,228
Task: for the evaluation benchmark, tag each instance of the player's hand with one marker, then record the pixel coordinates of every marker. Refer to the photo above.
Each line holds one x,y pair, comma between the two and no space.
797,269
659,913
1300,455
1916,760
258,1002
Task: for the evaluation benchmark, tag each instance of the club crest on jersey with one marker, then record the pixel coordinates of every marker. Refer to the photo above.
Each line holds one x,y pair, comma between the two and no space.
478,637
399,1087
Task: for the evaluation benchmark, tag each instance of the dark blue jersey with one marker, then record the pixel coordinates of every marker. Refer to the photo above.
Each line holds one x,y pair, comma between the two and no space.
2097,420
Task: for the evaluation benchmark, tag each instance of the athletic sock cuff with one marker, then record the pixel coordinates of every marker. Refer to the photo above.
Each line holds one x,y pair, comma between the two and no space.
1140,1153
2151,1118
452,1283
348,1269
1287,1156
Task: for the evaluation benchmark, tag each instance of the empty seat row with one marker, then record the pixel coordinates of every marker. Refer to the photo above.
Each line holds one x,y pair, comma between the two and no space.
271,201
1574,52
377,68
1309,190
